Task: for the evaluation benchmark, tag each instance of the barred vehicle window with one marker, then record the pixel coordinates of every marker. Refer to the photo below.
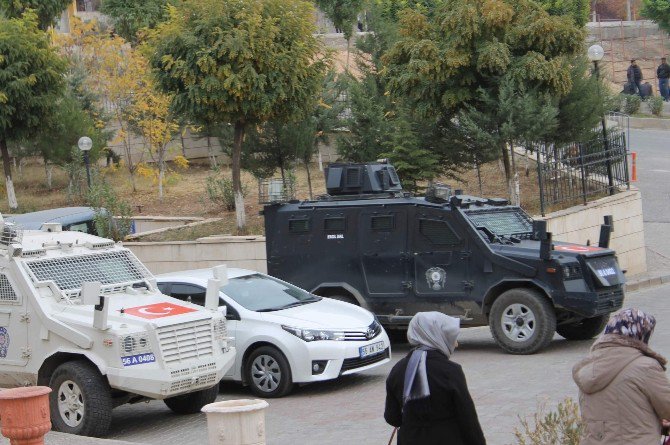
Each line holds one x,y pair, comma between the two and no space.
298,225
382,223
7,292
69,272
335,224
438,232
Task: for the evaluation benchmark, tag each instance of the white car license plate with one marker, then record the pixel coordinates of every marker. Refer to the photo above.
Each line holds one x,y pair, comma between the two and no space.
374,348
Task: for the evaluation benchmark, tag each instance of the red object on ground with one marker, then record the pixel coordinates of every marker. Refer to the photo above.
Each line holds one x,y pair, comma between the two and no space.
158,310
25,414
634,166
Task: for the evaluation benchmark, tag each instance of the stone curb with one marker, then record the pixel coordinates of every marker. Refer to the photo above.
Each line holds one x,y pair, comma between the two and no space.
54,438
647,282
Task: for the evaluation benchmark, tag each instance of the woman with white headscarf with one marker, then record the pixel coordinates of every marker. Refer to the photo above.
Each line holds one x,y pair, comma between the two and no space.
427,396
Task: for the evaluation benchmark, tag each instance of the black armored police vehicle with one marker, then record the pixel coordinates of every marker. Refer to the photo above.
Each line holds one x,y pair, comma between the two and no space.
370,243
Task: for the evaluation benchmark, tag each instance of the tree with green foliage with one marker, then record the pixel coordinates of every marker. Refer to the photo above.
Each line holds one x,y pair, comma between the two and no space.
240,62
48,11
132,16
344,15
31,82
454,63
658,11
577,9
414,161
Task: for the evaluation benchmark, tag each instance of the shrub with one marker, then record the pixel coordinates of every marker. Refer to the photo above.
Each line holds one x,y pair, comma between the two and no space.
656,105
220,191
112,214
560,427
631,103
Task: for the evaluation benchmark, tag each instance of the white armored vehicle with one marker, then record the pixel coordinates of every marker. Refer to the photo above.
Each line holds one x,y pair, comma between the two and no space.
82,315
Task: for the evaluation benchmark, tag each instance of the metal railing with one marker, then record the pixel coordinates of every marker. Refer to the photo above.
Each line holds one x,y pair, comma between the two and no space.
576,172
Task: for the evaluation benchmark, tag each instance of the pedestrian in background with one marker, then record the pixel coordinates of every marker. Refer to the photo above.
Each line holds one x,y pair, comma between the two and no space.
624,394
427,396
634,75
663,74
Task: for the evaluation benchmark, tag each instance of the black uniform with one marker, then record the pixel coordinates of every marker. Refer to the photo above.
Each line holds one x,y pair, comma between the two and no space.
452,418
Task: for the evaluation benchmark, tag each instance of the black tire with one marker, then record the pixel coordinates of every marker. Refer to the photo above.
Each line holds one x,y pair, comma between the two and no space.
268,373
86,387
584,329
193,402
533,311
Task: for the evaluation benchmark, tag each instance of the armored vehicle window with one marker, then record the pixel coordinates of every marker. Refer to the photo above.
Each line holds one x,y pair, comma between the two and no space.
69,272
188,292
334,224
438,232
382,223
7,293
503,222
298,225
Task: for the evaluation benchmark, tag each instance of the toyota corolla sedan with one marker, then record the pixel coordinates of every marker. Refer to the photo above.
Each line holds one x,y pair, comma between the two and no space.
283,334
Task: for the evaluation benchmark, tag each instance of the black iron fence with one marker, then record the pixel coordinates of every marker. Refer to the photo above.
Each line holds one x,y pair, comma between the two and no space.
579,171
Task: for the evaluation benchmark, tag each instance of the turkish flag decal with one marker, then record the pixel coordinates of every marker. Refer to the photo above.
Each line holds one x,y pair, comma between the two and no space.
158,310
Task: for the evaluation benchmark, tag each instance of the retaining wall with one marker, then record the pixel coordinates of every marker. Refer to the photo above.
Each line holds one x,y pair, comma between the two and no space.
580,224
149,223
171,256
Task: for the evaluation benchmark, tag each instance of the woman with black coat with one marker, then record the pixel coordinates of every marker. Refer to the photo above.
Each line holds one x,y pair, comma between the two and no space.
427,396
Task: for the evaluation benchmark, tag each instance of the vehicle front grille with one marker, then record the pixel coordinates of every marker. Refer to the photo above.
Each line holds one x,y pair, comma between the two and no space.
371,332
356,362
186,341
204,381
610,300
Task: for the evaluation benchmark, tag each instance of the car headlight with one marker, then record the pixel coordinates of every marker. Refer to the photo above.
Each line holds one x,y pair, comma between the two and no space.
314,334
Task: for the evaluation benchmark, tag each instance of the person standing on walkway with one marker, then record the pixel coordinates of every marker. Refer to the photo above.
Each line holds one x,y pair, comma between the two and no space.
634,74
624,394
663,74
427,396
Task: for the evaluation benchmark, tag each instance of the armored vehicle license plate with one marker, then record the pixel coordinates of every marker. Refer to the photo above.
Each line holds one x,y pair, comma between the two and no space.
374,348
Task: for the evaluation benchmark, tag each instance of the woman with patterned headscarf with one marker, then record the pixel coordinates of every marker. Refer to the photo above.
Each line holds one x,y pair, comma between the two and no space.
426,393
624,393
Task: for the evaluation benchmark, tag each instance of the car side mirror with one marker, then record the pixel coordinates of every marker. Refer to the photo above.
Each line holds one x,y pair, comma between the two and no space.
229,313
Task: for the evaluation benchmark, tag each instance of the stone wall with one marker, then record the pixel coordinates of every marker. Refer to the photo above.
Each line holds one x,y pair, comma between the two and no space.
143,224
247,252
580,224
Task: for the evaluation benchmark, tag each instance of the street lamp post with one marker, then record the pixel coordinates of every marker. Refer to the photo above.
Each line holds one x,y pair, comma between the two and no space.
595,54
85,144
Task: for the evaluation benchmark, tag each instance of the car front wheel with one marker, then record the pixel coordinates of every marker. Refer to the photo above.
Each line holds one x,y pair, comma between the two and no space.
80,400
522,321
268,373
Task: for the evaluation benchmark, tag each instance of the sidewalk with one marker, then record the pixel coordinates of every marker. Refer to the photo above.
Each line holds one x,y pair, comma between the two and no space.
54,438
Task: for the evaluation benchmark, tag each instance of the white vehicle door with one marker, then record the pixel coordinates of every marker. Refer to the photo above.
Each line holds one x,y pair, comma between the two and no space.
232,326
14,319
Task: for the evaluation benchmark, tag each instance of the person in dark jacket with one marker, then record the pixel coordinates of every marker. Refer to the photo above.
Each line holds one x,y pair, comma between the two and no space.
427,396
663,74
634,75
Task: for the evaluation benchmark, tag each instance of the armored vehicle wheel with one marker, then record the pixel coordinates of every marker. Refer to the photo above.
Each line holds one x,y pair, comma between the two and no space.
80,400
193,402
584,329
268,373
522,321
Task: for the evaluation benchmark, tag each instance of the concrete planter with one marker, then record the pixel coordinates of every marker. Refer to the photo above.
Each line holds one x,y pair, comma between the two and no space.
25,414
236,422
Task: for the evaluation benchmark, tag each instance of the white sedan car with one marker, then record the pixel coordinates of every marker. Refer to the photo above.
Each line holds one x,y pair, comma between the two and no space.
283,334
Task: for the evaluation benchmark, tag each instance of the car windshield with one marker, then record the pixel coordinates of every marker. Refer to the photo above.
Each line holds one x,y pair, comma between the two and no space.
265,294
504,222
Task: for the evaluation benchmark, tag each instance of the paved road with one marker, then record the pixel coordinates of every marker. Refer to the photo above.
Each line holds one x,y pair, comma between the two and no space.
349,410
653,148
